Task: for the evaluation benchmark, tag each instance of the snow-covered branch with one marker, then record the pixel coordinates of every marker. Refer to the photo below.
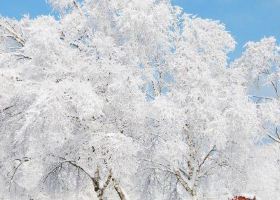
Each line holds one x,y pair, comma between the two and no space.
12,32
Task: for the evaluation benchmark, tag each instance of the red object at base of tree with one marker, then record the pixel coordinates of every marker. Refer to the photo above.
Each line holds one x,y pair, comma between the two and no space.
243,198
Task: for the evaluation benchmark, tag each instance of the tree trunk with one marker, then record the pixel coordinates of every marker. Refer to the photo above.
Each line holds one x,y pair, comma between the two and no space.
100,195
194,197
119,189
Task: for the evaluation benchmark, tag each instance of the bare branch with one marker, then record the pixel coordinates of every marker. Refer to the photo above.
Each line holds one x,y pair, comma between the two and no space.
59,166
21,56
21,162
208,171
118,189
52,171
276,132
206,157
275,88
13,33
96,180
185,174
184,183
107,181
79,167
273,138
7,108
260,97
77,7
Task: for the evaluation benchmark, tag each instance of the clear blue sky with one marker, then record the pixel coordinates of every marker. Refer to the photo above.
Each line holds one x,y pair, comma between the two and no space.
245,19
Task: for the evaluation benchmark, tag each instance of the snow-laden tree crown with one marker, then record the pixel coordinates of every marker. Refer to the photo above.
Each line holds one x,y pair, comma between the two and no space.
134,99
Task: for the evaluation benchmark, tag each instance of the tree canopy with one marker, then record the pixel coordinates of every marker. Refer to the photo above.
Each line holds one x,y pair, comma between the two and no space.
135,99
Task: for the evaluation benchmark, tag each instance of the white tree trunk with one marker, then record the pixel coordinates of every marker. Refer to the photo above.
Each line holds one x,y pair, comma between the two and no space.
194,197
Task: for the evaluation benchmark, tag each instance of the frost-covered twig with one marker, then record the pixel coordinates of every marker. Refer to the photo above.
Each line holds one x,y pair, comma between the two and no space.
13,33
207,156
77,7
21,56
21,161
273,138
275,87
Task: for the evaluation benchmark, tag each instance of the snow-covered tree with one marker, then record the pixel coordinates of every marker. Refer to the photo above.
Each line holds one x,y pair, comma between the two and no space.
134,99
258,72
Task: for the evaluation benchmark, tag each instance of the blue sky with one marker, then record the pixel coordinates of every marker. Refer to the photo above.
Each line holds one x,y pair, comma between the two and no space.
17,8
245,19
